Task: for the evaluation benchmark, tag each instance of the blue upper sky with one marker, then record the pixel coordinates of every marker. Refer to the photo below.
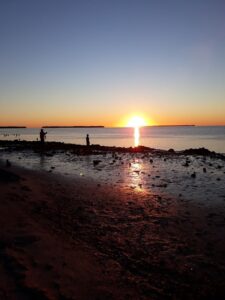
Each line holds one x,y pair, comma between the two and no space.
86,60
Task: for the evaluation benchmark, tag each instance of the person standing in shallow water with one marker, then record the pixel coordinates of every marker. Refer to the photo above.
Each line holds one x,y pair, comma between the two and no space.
87,140
42,136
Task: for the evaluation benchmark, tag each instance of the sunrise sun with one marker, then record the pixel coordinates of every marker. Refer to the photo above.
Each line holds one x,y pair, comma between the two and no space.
136,121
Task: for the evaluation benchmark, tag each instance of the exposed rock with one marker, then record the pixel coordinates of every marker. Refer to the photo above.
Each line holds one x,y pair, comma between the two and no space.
193,175
186,164
96,162
171,150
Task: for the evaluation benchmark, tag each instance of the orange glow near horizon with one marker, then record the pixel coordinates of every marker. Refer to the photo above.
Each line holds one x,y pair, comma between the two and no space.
134,120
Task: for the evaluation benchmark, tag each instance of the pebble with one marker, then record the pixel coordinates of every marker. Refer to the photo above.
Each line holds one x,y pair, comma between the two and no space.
193,175
96,162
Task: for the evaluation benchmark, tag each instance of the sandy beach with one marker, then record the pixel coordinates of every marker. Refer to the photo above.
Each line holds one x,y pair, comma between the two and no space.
64,237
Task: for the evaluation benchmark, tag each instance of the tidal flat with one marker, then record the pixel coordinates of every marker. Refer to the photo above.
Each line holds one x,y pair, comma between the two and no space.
103,223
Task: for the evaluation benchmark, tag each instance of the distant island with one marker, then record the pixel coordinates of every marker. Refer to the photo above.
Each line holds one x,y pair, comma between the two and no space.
12,127
171,126
73,127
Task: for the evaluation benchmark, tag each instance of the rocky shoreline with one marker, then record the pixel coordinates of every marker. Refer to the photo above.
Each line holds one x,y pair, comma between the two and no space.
98,149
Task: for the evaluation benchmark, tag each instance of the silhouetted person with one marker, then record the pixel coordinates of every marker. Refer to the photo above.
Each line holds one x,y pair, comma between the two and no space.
87,140
42,136
8,163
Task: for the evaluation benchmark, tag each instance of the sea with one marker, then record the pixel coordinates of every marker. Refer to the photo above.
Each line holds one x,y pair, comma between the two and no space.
158,137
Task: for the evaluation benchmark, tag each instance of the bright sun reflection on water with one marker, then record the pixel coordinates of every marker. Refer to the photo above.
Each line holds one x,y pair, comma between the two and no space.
135,175
136,136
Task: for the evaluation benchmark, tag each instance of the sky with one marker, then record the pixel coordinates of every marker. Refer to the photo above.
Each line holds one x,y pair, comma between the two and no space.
99,62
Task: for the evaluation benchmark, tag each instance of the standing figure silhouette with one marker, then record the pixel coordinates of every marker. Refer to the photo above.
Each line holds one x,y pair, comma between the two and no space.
42,136
87,140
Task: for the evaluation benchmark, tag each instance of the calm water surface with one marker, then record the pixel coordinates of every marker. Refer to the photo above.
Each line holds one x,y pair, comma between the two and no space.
178,138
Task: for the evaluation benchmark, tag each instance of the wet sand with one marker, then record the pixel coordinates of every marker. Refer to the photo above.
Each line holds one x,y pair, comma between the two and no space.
42,254
74,238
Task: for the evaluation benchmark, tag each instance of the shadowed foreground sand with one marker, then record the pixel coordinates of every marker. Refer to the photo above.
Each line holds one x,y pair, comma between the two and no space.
72,239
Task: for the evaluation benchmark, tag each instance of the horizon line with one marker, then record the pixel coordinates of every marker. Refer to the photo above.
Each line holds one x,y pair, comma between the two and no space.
102,126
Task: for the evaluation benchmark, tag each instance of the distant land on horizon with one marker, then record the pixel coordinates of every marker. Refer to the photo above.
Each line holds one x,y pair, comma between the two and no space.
149,126
101,126
12,127
73,126
98,126
191,125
